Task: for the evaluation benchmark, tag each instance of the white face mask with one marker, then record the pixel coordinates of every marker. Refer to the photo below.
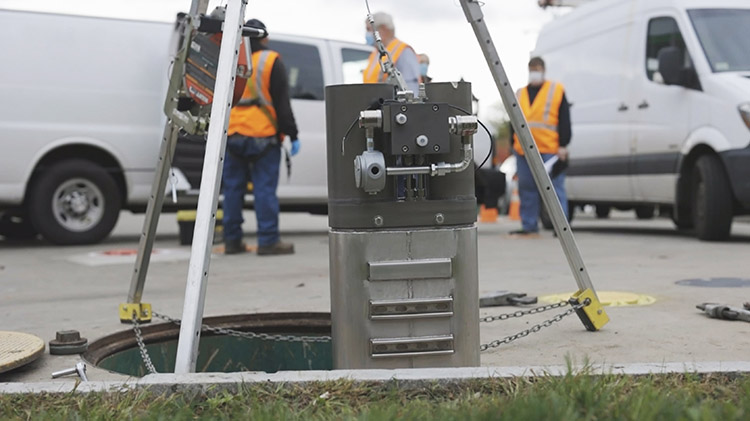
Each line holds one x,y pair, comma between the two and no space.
536,77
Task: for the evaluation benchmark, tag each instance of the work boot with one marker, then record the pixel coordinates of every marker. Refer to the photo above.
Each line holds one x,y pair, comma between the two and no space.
234,247
278,248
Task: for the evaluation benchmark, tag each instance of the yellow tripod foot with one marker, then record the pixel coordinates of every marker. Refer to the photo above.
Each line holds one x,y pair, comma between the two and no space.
138,311
592,313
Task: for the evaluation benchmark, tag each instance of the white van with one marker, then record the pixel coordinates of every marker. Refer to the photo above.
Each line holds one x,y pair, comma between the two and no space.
660,96
81,119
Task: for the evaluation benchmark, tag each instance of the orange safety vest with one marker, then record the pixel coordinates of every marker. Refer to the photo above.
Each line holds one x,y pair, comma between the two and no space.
372,72
542,117
254,115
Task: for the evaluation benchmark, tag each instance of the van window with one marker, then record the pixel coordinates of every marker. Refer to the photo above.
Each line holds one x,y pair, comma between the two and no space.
725,37
662,32
354,62
303,67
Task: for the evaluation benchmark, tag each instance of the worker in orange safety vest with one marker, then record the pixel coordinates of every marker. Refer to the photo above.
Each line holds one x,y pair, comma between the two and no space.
547,113
257,125
402,55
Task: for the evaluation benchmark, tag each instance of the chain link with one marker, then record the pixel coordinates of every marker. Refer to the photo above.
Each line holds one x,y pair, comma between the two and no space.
521,313
250,335
142,347
535,328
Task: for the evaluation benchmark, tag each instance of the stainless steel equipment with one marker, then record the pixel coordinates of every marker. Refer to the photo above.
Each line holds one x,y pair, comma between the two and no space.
402,212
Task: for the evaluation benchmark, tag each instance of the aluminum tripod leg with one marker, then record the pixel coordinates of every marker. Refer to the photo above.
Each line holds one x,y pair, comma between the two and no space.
134,307
200,257
473,12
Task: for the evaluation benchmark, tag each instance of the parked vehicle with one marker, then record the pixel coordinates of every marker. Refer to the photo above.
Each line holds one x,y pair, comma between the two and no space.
81,121
660,95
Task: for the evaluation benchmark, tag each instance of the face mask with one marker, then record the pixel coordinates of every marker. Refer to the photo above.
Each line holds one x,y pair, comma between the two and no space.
423,68
536,77
369,38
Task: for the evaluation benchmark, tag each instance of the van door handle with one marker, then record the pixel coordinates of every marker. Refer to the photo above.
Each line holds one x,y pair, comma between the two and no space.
622,108
643,105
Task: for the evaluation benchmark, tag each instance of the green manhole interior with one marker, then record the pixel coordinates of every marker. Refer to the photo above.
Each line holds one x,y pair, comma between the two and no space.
227,354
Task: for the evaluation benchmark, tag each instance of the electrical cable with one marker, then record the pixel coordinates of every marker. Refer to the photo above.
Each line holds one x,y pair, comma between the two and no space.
492,140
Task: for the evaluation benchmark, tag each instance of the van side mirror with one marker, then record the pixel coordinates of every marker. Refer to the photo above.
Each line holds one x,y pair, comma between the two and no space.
670,65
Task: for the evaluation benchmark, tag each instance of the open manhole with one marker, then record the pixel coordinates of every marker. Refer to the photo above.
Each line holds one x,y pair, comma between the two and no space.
119,352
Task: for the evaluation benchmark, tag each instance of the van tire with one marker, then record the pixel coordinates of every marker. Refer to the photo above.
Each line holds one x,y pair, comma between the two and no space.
645,212
712,200
74,202
602,211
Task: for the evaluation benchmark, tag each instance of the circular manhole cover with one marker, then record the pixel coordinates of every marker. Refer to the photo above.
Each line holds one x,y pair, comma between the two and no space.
17,349
715,282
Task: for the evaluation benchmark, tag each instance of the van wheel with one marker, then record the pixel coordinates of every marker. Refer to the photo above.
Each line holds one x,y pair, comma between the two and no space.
644,212
602,212
712,200
74,202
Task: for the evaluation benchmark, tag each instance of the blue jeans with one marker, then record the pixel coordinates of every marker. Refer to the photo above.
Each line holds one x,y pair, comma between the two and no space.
529,195
265,177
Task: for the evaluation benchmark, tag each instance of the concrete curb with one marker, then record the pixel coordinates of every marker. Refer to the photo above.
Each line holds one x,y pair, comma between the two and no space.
204,382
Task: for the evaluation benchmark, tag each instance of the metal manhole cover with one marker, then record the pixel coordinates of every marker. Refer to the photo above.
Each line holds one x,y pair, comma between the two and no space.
17,349
715,282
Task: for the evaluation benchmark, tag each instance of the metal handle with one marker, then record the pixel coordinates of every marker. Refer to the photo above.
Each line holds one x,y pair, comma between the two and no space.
643,105
622,108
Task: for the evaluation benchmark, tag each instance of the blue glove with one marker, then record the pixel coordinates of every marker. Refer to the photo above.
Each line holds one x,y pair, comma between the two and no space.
295,147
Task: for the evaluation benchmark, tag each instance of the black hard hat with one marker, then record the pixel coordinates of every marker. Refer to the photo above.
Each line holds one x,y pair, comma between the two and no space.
255,23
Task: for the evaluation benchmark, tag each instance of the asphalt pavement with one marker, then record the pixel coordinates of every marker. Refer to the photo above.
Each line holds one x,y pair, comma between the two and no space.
46,288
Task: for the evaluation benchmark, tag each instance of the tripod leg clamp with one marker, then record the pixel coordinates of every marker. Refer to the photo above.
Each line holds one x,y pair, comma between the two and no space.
139,311
592,314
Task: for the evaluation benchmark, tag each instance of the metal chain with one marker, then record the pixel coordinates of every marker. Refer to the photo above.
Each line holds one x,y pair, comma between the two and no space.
521,313
250,335
533,329
142,347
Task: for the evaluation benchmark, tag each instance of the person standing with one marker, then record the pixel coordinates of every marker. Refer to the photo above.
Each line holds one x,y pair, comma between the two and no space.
547,113
257,125
424,66
403,56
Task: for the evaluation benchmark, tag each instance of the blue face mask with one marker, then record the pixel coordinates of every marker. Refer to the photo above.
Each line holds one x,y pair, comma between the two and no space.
423,68
369,38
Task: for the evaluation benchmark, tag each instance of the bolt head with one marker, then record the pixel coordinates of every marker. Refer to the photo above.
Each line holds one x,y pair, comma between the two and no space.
439,218
378,220
404,149
403,108
435,107
436,148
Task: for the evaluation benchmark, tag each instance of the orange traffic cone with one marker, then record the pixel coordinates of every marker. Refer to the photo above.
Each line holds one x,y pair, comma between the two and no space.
487,215
514,209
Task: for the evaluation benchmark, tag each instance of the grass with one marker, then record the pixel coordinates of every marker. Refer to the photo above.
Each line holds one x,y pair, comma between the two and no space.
570,397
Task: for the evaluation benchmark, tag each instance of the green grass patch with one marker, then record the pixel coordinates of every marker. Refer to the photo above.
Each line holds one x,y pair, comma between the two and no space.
571,397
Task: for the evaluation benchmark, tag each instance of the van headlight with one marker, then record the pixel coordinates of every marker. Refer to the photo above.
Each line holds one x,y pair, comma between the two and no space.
745,113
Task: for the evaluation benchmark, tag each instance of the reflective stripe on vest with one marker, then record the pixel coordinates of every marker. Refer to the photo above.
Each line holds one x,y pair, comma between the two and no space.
254,115
372,73
542,116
